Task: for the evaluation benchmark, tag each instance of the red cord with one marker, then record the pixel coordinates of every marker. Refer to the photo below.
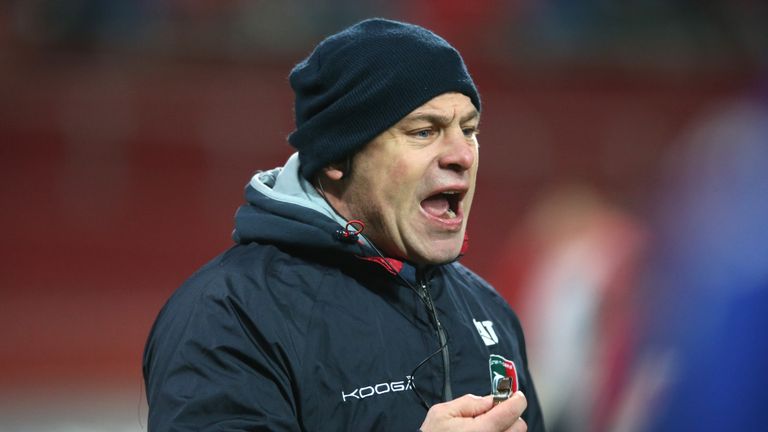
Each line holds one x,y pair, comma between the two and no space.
351,231
357,224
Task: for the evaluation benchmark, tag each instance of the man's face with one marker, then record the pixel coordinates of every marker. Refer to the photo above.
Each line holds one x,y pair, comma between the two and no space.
413,184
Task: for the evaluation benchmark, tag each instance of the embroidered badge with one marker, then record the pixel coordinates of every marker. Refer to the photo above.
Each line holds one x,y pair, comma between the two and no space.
503,378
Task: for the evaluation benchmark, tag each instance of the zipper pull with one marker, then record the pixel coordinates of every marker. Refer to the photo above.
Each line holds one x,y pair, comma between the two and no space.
427,297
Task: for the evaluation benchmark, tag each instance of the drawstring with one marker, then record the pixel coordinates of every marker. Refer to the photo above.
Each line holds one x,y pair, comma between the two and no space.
350,234
351,231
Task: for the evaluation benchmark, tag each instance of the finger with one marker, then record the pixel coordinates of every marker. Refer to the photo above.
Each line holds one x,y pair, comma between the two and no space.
470,405
519,426
504,415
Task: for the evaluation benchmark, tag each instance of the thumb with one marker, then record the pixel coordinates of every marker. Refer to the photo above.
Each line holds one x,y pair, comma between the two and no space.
470,405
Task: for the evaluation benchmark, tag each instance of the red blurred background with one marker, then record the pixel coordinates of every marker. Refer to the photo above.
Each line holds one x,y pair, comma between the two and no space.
129,129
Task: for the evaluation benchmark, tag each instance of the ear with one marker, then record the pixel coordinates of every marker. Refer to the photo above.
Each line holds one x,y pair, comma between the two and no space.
334,172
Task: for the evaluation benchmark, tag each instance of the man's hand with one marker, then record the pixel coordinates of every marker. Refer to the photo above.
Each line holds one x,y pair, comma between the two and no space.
471,413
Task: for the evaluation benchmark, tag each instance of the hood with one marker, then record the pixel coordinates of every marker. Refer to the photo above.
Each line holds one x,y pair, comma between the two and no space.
283,209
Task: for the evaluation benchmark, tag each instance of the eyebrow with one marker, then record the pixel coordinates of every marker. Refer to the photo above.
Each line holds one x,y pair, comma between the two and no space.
440,119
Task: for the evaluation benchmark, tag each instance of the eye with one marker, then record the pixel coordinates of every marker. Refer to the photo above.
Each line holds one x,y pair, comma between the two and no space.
470,132
423,133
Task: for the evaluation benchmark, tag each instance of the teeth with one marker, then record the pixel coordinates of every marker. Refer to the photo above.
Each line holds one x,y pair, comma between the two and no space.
450,214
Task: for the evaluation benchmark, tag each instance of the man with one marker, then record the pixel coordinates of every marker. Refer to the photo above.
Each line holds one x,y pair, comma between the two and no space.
342,306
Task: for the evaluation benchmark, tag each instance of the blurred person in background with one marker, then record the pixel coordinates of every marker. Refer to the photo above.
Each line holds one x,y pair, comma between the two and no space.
702,362
342,306
573,266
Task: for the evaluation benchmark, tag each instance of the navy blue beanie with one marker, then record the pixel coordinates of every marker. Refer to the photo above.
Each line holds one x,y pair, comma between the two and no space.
358,83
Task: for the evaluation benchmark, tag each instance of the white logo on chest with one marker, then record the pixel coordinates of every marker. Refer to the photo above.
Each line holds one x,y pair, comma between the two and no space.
485,328
378,389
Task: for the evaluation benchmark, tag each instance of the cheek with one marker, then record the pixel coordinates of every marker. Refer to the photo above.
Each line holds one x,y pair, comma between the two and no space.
399,170
403,181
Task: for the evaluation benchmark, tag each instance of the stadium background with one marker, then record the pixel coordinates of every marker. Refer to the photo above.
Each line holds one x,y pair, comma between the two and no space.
621,142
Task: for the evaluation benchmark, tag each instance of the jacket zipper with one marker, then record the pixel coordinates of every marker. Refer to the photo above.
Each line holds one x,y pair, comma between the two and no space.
426,295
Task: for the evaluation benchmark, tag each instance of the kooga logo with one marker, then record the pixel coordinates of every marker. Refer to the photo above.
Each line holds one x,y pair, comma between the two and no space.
377,389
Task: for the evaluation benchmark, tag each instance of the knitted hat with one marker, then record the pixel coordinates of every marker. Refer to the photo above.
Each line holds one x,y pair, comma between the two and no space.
358,83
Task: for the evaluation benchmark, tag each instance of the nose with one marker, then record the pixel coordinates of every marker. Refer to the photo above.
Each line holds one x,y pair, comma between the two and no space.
459,153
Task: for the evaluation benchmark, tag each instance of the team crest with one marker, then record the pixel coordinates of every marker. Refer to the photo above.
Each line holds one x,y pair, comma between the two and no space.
503,377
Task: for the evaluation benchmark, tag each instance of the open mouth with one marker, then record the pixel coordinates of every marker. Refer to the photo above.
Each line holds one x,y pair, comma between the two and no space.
443,205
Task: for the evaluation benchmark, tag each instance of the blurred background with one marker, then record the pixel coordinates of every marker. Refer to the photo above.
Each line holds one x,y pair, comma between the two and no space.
621,206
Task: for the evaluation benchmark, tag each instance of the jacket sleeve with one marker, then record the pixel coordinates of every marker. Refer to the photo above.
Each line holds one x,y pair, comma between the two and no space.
209,366
533,416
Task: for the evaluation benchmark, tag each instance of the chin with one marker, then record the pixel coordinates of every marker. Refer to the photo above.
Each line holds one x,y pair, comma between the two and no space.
441,256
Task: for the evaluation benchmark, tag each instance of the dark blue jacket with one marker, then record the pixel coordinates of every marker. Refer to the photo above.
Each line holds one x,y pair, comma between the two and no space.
293,329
